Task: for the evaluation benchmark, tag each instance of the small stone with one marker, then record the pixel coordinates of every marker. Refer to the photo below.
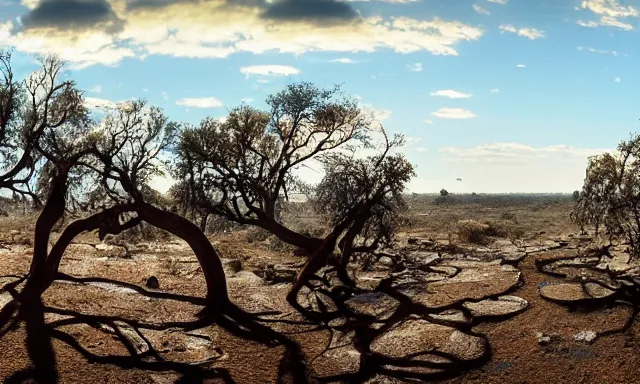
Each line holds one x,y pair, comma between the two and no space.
153,282
104,247
413,240
585,336
542,339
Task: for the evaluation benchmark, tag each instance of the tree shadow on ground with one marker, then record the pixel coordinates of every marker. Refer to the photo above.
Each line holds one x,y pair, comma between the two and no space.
40,337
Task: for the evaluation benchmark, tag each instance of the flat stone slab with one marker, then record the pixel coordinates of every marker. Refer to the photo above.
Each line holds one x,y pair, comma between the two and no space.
452,316
475,280
375,304
337,361
573,292
419,336
503,306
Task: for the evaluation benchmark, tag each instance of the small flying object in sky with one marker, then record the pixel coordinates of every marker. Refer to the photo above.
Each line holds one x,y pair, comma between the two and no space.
459,179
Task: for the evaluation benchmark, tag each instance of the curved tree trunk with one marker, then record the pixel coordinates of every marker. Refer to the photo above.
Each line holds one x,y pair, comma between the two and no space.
207,256
307,243
51,213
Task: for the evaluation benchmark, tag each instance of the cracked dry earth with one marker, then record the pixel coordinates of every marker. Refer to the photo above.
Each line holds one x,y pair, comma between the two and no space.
502,313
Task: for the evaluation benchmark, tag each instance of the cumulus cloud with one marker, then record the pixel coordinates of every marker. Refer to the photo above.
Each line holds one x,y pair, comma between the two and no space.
313,10
453,113
498,1
530,33
495,90
609,12
203,102
617,80
521,66
95,103
480,10
72,15
417,67
451,94
219,28
427,121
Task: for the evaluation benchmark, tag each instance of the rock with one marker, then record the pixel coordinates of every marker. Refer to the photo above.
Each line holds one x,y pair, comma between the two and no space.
585,336
567,293
247,278
376,304
337,361
425,258
503,306
153,282
542,339
231,266
103,247
414,337
5,298
385,260
413,240
474,280
452,316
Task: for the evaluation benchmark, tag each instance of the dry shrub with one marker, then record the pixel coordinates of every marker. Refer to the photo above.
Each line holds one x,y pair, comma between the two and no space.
474,232
256,235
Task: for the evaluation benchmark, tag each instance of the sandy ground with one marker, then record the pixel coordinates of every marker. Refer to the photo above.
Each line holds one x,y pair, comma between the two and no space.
516,355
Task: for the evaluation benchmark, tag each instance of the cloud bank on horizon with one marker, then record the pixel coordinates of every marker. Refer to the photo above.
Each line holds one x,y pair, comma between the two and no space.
510,96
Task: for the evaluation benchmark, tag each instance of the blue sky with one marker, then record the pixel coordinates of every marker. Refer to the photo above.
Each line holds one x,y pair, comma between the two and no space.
508,95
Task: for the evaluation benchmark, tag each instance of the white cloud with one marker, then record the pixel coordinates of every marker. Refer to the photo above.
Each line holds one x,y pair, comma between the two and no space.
215,29
601,51
269,70
507,167
417,67
530,33
498,1
495,90
427,121
609,12
617,80
203,102
521,66
451,94
453,113
164,95
422,149
145,89
378,114
94,103
481,10
247,100
343,60
611,8
95,89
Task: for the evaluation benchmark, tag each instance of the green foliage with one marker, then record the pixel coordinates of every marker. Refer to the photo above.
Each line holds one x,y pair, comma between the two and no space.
610,197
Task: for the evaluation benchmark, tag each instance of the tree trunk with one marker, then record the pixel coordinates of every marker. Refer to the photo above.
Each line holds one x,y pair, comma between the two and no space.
205,253
51,213
307,243
203,222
